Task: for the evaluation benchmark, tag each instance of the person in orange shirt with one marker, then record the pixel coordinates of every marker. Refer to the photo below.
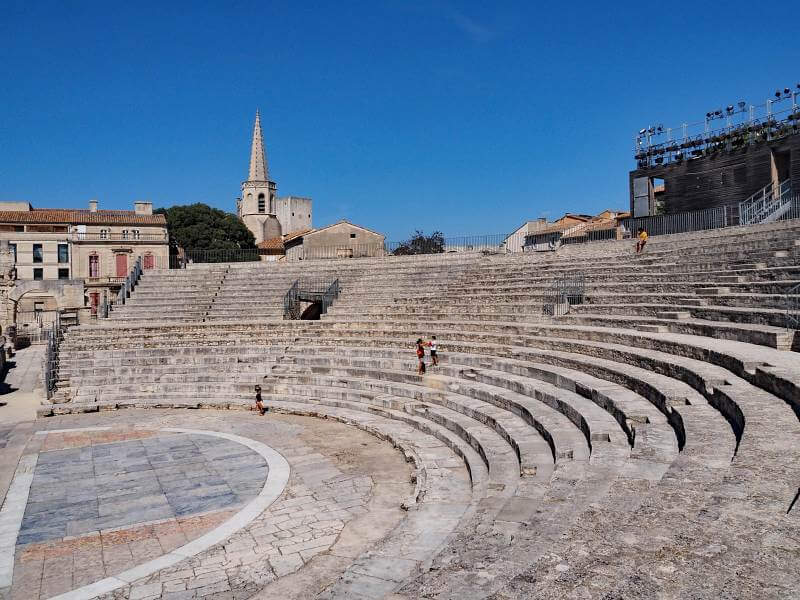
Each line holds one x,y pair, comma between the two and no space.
642,235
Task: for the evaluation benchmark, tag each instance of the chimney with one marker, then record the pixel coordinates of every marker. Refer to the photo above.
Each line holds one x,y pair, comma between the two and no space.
92,205
142,207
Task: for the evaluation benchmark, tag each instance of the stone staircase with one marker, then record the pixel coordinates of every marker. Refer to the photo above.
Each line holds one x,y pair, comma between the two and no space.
654,424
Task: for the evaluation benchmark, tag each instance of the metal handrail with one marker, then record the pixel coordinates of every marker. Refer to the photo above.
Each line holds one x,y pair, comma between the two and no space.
793,308
563,293
51,357
765,203
130,281
309,290
120,237
291,302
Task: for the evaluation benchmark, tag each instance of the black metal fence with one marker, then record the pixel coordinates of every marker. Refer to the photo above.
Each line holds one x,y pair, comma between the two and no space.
130,282
563,293
315,290
793,308
699,220
190,257
53,335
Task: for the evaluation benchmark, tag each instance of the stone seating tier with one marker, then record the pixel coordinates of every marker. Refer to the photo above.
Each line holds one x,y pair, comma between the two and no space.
576,432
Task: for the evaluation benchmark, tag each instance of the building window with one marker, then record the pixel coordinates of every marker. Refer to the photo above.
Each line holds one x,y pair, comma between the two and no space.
135,233
38,273
13,248
94,266
63,273
63,253
37,254
104,234
124,234
352,236
262,205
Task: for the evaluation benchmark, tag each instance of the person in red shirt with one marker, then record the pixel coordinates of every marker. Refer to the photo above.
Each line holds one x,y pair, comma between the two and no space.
420,357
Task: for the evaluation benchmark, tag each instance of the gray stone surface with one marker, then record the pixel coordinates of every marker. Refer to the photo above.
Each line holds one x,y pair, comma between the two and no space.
93,488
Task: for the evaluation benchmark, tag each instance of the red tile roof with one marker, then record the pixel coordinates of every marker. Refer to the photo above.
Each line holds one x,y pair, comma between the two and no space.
80,217
272,245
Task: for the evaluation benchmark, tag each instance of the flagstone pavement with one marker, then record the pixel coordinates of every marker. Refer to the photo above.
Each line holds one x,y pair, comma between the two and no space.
158,504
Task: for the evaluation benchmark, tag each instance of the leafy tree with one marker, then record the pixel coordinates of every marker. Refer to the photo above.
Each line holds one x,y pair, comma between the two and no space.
419,243
208,232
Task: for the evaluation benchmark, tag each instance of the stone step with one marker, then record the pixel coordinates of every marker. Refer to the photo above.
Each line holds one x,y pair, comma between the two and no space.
712,291
653,328
673,315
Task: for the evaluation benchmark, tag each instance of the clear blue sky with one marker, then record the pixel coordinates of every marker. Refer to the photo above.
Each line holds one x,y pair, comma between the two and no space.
468,117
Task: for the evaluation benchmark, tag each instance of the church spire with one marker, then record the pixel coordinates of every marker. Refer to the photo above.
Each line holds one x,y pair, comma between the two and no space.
258,160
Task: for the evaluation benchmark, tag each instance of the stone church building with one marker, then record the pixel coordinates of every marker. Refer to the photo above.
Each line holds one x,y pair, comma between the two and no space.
283,227
259,207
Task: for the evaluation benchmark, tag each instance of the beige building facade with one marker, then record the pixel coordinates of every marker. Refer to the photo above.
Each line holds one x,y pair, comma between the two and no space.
56,251
340,240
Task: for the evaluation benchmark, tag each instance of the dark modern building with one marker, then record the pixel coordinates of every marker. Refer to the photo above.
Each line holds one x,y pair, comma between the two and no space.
716,168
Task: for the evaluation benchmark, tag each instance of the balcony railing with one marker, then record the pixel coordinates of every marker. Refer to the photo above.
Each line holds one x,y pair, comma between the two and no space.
119,237
104,280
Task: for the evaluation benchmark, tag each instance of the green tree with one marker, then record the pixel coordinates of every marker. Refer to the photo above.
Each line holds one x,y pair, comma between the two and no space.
419,243
208,234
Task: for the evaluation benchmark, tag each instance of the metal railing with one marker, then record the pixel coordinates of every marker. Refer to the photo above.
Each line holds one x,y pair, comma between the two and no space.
793,308
291,302
50,374
766,205
131,236
563,293
215,256
316,290
301,252
130,282
698,220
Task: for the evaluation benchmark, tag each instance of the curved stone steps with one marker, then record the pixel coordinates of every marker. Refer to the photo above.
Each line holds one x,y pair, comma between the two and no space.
710,312
770,369
763,335
444,503
634,414
540,439
486,385
605,380
567,495
746,360
707,379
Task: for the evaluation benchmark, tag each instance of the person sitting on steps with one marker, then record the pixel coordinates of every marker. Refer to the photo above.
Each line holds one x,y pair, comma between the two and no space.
259,402
642,235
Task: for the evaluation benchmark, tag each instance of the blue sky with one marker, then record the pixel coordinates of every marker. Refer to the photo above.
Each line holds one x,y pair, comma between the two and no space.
467,117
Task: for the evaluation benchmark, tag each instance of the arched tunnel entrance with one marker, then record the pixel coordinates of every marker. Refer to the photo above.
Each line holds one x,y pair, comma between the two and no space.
312,312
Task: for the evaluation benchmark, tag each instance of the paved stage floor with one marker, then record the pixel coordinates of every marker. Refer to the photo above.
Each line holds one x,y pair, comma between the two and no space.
182,504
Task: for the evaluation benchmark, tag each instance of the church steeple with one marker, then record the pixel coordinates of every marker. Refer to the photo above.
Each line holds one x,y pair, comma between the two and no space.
258,160
257,207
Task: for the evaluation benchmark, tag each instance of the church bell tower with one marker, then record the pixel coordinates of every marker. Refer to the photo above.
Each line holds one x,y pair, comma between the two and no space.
258,205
